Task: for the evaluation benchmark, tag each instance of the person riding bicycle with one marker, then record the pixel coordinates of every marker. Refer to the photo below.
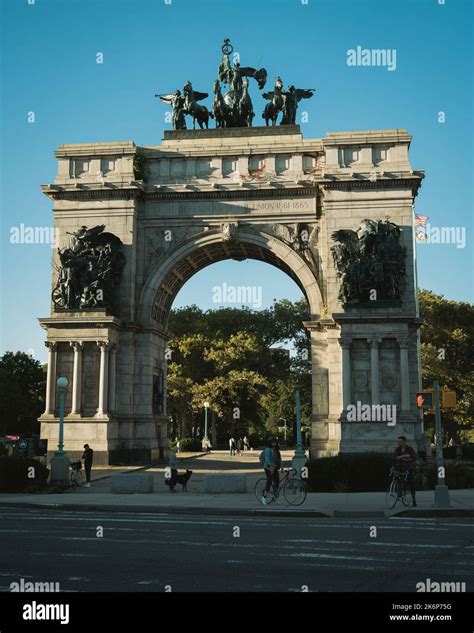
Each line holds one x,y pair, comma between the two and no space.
272,463
405,457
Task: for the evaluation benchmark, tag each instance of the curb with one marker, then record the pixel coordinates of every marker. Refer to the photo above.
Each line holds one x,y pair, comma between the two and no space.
166,509
361,514
257,512
438,512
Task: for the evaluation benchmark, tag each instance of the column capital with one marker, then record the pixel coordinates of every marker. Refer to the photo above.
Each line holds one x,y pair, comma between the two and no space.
104,345
345,342
374,341
402,341
76,345
51,345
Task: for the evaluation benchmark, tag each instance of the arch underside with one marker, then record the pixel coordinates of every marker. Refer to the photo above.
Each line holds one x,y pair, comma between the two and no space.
205,255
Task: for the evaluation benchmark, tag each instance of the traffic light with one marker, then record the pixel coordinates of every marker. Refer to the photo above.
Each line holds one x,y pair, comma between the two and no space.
424,400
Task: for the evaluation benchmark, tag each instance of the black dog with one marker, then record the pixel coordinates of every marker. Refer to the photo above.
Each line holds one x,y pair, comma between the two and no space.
181,479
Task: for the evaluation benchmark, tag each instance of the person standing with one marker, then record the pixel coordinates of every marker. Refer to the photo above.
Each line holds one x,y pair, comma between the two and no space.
232,446
405,458
272,463
88,457
246,443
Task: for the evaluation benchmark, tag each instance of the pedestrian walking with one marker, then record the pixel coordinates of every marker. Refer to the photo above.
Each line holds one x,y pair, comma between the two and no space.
246,443
240,446
232,446
88,457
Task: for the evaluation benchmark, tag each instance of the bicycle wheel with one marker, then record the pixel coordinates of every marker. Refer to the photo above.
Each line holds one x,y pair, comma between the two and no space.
79,478
406,497
391,496
73,480
294,491
260,487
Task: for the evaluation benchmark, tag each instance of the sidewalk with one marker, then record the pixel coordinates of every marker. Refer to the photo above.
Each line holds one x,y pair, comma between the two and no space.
363,504
99,497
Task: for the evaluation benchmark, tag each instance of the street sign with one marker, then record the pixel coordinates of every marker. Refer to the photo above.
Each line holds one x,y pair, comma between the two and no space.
424,400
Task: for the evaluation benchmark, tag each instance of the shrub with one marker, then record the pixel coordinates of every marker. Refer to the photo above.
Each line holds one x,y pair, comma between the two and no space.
190,444
449,452
14,474
468,451
369,472
457,476
350,472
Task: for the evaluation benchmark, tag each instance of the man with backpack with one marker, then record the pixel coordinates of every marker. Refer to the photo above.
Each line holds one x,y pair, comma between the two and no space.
270,460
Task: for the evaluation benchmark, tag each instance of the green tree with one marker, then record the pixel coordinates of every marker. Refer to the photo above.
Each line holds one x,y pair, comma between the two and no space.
447,355
22,393
228,355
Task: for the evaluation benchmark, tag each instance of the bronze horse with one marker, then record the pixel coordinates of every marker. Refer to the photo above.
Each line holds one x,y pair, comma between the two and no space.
199,113
275,106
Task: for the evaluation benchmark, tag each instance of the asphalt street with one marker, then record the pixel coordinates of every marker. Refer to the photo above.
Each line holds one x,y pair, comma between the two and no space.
92,551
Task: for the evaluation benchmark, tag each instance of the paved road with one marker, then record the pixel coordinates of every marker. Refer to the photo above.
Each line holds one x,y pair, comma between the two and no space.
146,552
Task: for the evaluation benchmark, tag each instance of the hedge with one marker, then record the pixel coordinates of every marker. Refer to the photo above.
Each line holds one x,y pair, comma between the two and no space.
369,472
22,474
190,444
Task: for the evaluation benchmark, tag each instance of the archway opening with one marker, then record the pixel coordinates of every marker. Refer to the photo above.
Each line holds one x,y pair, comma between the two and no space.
219,354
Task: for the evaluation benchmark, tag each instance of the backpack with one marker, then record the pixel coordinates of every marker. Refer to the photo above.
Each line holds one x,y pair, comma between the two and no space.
261,458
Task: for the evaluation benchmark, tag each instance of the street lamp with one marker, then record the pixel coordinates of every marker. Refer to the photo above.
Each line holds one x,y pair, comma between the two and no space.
299,459
60,460
206,407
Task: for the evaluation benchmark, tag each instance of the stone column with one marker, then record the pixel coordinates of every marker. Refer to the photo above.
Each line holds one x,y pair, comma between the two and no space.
345,343
404,373
374,370
76,377
51,377
103,376
112,376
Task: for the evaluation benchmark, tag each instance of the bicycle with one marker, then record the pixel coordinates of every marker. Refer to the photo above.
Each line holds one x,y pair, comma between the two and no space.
294,490
397,489
76,477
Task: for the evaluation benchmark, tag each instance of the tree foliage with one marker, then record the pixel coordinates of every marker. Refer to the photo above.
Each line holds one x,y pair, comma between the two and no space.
22,393
447,355
234,359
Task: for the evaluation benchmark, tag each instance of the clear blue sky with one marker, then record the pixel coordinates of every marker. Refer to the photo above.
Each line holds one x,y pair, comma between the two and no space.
49,67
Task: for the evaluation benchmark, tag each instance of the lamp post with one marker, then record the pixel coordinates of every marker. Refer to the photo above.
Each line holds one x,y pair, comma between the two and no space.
441,490
299,459
60,460
206,407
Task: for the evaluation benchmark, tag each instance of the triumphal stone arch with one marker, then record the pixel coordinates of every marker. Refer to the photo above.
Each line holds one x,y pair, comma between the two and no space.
135,223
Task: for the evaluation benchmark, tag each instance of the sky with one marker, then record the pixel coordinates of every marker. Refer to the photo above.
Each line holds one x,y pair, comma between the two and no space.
49,68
